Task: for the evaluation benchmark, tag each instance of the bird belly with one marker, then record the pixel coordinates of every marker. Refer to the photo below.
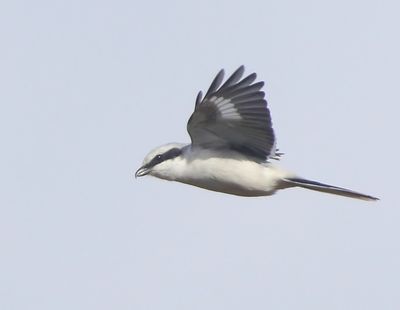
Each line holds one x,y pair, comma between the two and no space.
236,177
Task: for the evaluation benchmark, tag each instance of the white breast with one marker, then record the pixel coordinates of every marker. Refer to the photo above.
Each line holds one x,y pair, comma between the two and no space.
234,174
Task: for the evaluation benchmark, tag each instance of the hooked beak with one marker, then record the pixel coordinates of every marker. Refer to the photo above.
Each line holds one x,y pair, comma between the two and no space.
142,171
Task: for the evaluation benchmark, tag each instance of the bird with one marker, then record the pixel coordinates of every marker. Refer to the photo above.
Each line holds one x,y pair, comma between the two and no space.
233,145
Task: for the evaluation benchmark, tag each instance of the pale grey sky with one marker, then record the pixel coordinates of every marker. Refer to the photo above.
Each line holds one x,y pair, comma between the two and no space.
89,87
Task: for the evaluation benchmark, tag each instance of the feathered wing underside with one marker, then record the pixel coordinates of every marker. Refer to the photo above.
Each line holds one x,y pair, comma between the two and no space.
234,115
325,188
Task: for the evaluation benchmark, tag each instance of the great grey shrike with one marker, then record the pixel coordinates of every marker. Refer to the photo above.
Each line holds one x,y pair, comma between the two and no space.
232,146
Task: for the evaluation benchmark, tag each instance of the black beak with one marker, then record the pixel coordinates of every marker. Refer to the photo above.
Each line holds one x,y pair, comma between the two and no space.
142,171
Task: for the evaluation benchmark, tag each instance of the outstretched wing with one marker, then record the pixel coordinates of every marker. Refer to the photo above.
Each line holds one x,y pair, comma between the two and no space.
235,116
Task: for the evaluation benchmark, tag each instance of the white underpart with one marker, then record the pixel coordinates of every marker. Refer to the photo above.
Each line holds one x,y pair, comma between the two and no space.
225,172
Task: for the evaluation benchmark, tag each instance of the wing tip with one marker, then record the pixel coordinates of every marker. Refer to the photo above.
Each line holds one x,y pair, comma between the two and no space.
198,98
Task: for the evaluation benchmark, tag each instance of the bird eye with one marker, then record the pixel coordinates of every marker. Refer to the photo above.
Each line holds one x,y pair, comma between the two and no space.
158,158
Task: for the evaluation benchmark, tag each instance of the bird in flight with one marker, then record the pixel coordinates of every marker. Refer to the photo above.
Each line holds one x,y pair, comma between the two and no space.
233,145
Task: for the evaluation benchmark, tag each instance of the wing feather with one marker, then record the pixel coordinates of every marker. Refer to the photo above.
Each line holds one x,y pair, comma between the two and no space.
215,83
234,116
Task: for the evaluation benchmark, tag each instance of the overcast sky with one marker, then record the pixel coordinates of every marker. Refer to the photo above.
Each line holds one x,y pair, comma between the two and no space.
89,87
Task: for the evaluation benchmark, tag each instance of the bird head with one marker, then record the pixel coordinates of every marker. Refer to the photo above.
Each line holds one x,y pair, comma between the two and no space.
161,161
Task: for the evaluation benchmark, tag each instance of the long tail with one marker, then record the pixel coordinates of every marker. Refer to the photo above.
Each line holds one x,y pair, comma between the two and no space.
325,188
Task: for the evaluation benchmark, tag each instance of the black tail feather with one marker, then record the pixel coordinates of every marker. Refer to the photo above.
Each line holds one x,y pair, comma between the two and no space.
325,188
